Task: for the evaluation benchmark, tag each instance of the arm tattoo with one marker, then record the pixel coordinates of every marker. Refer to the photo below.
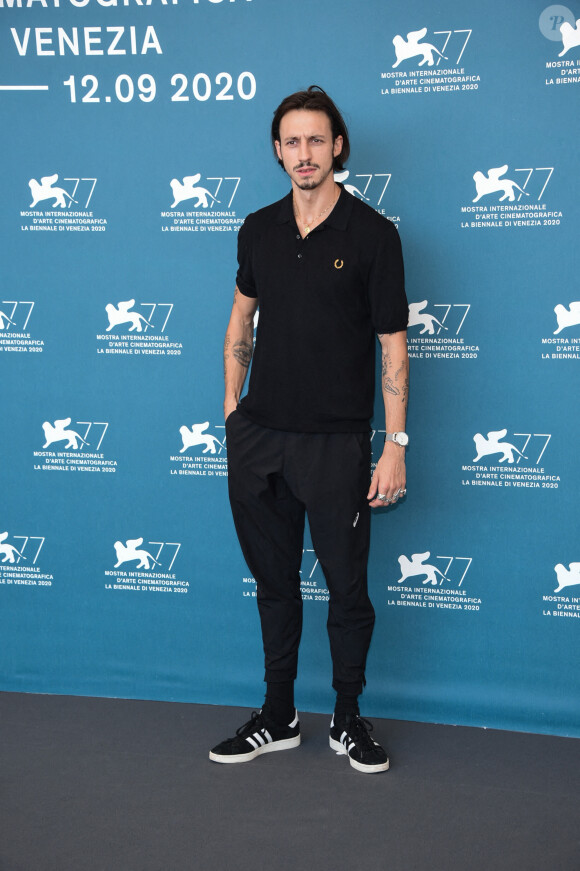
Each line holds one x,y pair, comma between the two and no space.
386,359
227,343
404,370
405,390
390,385
243,353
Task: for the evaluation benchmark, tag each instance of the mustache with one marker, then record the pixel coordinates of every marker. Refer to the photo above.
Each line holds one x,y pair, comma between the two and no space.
305,164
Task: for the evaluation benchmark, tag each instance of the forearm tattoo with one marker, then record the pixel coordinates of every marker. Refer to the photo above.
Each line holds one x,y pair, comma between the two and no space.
243,351
405,389
399,386
388,384
227,343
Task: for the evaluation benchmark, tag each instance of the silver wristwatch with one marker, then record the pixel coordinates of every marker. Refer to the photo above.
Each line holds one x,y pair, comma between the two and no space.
400,438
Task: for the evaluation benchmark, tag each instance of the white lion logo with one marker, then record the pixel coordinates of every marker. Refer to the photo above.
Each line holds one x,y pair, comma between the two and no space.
122,315
7,551
567,317
492,445
492,184
128,552
570,36
419,318
45,191
197,436
415,567
412,47
59,432
5,321
342,177
186,190
567,577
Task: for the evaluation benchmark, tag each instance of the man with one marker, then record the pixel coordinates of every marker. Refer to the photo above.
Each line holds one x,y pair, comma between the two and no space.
327,273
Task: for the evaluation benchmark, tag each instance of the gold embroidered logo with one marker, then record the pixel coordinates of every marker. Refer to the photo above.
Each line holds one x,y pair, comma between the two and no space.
338,264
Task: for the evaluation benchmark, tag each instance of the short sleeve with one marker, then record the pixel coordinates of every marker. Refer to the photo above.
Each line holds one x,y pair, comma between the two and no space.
386,284
245,278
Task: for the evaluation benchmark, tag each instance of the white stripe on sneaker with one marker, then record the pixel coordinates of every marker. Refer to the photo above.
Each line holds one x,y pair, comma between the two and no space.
258,739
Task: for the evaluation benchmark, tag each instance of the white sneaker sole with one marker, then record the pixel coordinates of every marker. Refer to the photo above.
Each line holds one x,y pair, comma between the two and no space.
365,769
271,747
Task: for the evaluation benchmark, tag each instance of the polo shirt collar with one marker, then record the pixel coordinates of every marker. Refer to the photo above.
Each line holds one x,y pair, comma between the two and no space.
338,218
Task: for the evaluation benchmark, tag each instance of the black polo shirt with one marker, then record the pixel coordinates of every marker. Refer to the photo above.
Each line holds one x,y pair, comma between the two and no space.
322,300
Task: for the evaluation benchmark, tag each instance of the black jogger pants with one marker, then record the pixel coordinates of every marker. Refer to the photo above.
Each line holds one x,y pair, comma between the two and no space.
274,479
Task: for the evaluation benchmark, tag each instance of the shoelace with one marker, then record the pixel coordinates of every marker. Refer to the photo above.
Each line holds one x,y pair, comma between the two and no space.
251,725
359,731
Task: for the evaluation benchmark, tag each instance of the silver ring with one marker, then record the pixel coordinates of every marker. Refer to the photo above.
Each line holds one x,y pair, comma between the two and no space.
397,493
383,497
403,492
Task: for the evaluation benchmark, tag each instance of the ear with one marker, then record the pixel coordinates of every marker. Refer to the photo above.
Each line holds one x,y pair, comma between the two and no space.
278,149
337,146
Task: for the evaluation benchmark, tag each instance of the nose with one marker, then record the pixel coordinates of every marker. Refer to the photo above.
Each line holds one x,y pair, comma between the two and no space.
304,150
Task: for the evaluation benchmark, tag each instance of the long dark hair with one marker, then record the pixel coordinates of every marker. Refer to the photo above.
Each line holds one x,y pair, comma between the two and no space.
315,99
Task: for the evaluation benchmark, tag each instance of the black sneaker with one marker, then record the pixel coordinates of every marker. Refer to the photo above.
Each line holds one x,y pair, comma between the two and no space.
258,735
351,737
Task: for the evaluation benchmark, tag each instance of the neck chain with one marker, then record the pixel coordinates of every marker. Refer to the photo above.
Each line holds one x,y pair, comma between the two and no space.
306,226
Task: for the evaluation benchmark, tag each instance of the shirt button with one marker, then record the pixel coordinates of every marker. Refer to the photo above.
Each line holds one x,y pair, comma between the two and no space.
298,236
300,257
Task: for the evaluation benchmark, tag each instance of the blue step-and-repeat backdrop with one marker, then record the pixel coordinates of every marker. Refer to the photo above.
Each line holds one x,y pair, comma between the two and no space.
135,141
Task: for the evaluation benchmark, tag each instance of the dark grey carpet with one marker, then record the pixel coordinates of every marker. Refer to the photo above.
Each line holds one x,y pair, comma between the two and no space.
109,785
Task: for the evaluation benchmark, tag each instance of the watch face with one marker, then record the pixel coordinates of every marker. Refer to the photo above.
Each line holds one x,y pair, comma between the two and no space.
402,438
